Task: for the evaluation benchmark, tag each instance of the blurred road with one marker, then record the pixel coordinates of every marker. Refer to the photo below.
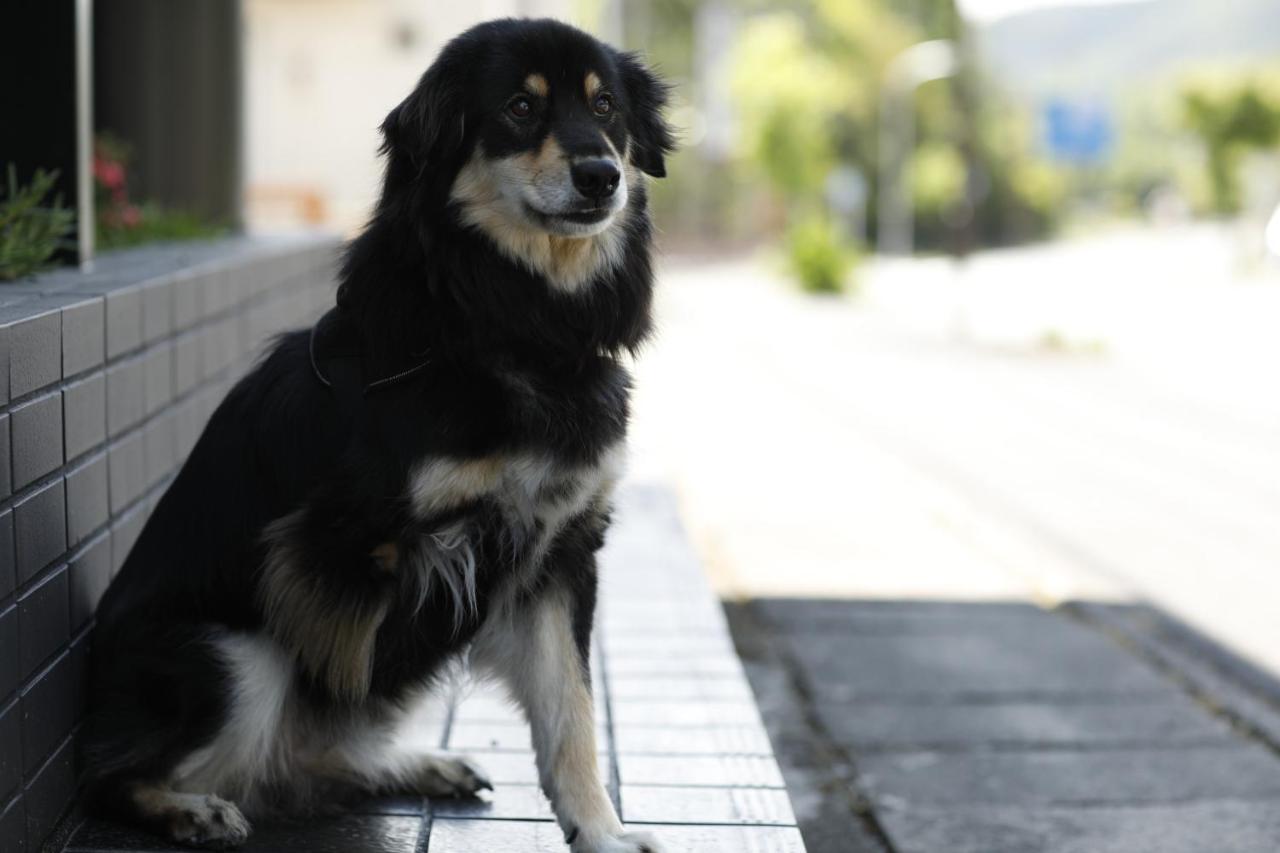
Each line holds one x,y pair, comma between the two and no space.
920,443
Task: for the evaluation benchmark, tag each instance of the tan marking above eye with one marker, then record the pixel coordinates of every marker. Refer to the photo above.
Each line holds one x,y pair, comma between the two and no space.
537,84
592,85
387,556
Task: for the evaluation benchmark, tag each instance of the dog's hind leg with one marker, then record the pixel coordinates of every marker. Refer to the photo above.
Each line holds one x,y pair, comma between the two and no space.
370,761
198,820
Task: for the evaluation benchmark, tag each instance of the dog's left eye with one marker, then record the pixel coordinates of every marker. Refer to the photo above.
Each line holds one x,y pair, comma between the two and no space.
520,107
603,105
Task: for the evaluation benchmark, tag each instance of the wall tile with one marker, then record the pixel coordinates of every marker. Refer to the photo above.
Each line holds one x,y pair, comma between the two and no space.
43,621
35,352
126,399
35,431
84,335
40,529
49,794
8,558
124,320
13,826
90,572
10,750
84,414
6,476
10,666
127,471
88,498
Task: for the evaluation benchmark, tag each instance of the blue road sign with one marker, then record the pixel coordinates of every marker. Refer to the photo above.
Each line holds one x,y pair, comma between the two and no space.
1082,132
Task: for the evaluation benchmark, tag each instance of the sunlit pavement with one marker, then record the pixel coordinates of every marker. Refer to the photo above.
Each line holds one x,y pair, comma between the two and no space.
1098,420
932,509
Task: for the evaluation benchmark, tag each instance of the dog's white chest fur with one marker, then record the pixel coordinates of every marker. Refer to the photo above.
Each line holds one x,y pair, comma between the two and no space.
535,493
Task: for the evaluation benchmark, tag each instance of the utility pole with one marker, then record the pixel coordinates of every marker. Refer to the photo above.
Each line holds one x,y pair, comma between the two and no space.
915,66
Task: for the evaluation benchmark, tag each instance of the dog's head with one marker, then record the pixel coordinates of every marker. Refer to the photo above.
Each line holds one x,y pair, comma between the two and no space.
535,133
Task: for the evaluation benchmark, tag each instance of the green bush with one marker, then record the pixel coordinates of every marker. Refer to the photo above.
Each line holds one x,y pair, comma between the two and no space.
31,230
819,255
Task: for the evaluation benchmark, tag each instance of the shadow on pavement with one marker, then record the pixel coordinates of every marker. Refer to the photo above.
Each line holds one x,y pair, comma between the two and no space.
989,727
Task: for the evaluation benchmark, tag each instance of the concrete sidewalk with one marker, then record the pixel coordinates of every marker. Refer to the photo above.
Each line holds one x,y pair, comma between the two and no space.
682,744
935,727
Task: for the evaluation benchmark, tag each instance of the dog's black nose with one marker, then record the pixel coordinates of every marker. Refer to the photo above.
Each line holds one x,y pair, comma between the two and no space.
595,179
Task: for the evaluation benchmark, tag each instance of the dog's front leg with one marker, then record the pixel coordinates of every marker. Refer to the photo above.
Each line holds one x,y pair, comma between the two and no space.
545,663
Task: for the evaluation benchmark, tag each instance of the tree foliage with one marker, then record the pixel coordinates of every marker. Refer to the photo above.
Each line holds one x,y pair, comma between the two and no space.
32,226
1231,117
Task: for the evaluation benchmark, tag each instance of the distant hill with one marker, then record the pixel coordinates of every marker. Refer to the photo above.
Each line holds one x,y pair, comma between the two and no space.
1102,49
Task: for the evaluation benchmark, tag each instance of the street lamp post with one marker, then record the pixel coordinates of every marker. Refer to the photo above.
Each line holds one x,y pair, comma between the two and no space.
915,66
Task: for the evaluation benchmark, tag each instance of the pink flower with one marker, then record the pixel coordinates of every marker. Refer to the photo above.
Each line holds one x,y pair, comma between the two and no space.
108,172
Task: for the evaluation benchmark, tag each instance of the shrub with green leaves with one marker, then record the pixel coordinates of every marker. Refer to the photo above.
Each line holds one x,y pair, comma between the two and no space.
31,227
819,255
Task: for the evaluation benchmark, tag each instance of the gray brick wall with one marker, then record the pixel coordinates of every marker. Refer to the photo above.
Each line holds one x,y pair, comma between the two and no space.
106,379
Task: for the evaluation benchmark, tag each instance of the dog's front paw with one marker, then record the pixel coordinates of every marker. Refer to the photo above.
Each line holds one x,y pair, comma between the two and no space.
208,821
628,842
450,776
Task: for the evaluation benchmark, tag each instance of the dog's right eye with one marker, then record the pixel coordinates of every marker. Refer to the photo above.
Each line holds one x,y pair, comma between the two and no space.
520,107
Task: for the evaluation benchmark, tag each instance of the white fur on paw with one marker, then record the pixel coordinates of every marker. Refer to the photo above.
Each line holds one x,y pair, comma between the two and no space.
210,822
451,776
629,842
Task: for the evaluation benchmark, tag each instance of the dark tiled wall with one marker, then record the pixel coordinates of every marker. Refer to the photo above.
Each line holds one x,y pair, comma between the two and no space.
106,380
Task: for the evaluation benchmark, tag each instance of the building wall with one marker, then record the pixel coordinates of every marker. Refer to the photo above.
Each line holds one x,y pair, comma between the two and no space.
321,75
106,381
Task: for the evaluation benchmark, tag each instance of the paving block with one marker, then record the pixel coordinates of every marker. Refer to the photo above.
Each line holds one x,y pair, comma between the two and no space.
748,806
895,618
497,737
731,688
353,833
126,395
496,836
1051,664
1219,825
721,740
1172,721
697,714
43,620
84,335
84,414
518,768
718,771
90,572
88,501
505,802
40,529
396,804
1065,777
36,436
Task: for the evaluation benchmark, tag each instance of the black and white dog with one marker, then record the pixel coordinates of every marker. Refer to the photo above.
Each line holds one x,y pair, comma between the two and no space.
423,476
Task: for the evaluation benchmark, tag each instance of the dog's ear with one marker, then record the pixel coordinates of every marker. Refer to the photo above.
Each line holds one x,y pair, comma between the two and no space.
651,137
427,127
